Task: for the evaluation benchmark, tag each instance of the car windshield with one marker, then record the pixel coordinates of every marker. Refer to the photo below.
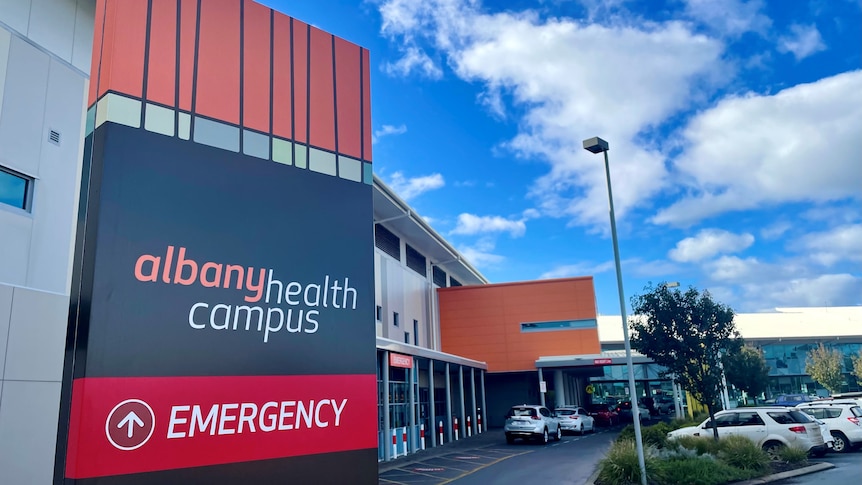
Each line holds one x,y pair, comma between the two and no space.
566,412
527,412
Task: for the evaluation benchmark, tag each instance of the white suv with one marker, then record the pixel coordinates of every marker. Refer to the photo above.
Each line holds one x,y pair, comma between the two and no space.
531,421
771,428
842,419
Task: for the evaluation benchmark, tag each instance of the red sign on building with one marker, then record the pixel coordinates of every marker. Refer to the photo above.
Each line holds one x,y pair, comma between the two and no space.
399,360
603,361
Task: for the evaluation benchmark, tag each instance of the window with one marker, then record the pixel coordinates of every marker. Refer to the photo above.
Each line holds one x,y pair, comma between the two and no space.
395,318
378,314
454,282
387,242
415,260
406,337
559,325
15,189
415,332
749,419
439,277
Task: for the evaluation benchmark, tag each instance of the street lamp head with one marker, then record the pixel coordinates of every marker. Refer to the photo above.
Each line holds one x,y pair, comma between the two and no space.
671,284
596,145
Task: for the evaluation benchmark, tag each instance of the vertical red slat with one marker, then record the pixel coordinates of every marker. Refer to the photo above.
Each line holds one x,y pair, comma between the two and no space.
128,36
366,106
300,80
217,91
161,71
188,29
348,97
321,102
256,67
96,57
107,48
282,122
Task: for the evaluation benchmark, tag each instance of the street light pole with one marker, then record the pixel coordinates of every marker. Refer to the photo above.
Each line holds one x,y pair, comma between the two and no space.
596,145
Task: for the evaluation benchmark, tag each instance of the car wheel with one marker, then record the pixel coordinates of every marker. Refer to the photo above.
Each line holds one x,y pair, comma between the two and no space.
840,445
510,439
580,429
545,436
559,434
772,449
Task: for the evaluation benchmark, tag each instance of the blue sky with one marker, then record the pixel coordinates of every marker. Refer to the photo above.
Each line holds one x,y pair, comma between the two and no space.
735,130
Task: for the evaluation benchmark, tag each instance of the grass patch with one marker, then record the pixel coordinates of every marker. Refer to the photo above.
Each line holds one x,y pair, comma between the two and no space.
655,435
740,452
793,455
699,470
620,466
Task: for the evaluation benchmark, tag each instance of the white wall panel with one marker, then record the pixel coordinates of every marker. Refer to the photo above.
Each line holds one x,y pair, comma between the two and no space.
21,123
5,312
5,40
37,336
15,14
57,188
28,432
82,44
14,244
52,26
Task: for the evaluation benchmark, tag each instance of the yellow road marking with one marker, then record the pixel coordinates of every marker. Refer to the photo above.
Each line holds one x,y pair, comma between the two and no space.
470,472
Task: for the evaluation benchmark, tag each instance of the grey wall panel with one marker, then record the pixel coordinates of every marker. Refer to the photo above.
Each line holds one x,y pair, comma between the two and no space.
58,184
5,312
82,44
5,40
14,240
37,335
15,14
28,432
52,26
21,133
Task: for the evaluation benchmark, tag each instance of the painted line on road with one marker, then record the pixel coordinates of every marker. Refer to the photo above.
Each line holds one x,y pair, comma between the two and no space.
470,472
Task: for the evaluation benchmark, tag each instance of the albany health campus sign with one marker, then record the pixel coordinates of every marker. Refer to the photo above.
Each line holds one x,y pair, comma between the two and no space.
221,323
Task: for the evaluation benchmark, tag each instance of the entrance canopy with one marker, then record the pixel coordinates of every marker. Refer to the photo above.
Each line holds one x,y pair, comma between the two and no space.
608,357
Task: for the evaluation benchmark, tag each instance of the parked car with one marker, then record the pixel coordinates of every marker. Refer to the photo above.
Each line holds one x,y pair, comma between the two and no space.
843,420
791,399
664,404
604,414
828,439
624,410
770,427
575,419
529,421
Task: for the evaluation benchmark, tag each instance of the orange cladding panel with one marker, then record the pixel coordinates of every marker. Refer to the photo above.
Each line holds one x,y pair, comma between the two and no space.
282,84
188,36
218,72
162,55
300,80
348,98
366,106
321,116
256,66
483,322
98,48
123,44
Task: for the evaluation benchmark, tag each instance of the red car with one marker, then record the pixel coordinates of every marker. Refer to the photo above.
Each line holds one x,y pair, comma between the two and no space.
603,414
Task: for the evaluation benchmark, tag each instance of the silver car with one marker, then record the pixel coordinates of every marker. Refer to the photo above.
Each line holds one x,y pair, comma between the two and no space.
575,419
529,421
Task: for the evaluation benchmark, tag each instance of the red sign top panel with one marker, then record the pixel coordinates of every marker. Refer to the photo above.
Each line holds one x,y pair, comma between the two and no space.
133,425
400,360
603,361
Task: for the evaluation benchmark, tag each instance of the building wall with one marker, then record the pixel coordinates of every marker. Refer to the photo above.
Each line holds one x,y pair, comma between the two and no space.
483,322
45,50
399,289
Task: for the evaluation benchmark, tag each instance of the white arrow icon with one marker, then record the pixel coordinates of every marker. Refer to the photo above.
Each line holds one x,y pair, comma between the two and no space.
131,419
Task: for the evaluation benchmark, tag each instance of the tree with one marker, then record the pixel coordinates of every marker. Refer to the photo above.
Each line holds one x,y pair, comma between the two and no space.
824,366
857,366
746,369
686,334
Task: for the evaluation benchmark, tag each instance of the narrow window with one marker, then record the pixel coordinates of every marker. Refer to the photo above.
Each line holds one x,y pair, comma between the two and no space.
395,318
15,189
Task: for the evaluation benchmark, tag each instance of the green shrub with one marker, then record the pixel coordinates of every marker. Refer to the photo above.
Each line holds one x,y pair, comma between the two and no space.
656,435
701,444
793,454
627,434
701,470
740,452
683,423
620,466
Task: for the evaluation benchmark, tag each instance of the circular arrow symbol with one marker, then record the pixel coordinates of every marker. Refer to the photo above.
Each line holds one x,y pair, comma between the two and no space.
130,424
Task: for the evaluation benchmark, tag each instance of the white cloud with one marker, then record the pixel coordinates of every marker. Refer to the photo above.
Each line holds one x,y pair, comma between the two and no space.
387,130
775,230
473,224
730,18
707,243
648,72
481,254
803,41
413,59
412,187
801,144
578,269
841,243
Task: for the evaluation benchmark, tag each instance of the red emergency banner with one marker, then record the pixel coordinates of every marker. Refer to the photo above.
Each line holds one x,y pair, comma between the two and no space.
122,425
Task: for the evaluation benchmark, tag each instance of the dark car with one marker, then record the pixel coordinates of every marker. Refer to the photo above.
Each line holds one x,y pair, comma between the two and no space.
791,399
603,414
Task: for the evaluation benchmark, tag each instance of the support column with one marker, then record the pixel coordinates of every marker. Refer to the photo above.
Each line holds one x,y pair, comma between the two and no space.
411,393
541,394
387,433
433,426
560,395
462,421
448,424
473,396
484,409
